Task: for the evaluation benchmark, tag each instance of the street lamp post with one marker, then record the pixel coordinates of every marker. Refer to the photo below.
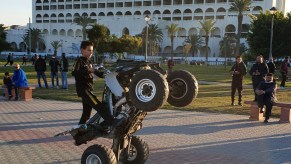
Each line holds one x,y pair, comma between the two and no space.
147,18
272,11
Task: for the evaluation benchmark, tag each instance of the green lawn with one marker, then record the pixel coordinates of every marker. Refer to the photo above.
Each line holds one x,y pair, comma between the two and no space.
211,98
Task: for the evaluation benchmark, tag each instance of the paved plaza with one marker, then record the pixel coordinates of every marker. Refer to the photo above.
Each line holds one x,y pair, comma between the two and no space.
174,137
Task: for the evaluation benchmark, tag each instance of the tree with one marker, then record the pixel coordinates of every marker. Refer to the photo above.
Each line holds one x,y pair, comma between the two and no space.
240,6
207,26
83,21
37,42
172,29
196,42
3,44
227,46
56,45
99,35
259,35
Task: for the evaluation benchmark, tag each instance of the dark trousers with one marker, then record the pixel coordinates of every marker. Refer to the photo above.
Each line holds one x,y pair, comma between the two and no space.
16,88
41,74
53,76
284,78
9,88
263,100
89,101
236,85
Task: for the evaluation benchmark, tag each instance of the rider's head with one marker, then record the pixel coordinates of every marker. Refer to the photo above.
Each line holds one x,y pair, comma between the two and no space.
87,49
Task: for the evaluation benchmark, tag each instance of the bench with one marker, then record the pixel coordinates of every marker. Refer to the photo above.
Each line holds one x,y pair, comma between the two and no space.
25,93
285,116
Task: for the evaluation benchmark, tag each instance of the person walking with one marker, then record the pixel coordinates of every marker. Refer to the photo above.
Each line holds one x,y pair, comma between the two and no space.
8,60
24,59
64,70
258,72
238,71
18,79
54,64
284,72
266,95
83,72
40,68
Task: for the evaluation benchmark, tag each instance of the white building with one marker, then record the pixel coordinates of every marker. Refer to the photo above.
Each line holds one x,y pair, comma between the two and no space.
54,18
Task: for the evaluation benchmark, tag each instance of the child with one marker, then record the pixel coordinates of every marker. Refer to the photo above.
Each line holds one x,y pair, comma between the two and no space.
8,82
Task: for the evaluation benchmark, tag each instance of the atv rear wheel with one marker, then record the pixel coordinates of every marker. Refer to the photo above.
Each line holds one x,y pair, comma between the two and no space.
183,88
138,151
98,154
148,90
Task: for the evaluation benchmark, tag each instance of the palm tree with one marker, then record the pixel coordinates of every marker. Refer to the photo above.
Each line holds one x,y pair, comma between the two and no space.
196,42
83,21
207,26
172,29
240,6
56,45
155,36
37,41
4,45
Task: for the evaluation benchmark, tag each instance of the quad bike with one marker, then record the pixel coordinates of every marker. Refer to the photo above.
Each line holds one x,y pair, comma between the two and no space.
132,89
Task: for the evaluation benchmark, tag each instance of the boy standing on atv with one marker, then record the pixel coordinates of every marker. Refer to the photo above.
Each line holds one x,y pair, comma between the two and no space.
83,72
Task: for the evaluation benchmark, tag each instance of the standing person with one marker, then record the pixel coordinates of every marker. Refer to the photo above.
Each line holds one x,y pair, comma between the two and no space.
40,68
18,79
238,70
8,60
7,81
34,58
24,59
258,72
83,73
266,95
64,70
284,72
54,63
271,65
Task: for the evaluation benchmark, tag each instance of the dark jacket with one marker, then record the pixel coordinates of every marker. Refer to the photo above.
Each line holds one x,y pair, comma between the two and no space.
40,65
241,68
272,67
7,80
269,88
83,78
19,78
64,64
54,63
262,68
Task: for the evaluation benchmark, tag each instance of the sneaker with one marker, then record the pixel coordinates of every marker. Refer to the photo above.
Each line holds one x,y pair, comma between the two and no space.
261,110
232,104
239,104
282,88
9,98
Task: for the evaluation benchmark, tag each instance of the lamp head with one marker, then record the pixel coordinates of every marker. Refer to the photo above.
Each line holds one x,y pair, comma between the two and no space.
147,18
273,10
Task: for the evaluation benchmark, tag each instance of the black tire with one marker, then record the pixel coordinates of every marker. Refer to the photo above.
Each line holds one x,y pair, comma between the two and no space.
139,151
148,90
183,88
98,153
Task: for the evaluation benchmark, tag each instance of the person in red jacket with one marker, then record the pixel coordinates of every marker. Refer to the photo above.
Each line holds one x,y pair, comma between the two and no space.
284,71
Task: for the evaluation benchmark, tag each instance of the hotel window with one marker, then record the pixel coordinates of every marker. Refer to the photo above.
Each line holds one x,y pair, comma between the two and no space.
76,6
137,4
101,5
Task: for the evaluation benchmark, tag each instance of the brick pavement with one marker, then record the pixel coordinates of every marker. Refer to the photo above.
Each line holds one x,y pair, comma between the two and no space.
27,129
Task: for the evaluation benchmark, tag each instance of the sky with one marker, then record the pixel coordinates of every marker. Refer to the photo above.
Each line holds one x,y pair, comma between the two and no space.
15,12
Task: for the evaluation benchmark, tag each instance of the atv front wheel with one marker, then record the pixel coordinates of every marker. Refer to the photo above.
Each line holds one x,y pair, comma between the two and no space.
183,88
148,90
98,154
138,151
